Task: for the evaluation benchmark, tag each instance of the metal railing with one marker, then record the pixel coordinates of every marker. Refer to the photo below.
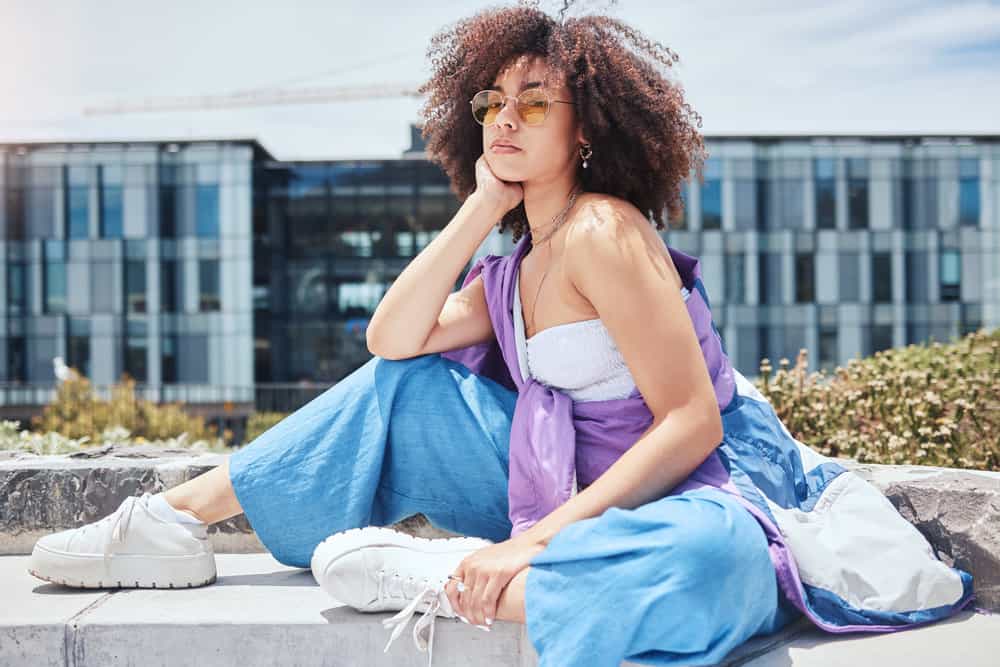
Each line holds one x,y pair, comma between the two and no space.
216,399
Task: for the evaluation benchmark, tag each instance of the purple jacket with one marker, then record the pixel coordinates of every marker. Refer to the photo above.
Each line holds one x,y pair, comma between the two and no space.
551,436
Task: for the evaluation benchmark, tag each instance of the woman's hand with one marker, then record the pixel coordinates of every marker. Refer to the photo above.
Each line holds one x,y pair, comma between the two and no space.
485,573
503,194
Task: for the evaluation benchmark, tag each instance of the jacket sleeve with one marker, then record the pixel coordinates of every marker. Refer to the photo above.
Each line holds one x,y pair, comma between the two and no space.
483,358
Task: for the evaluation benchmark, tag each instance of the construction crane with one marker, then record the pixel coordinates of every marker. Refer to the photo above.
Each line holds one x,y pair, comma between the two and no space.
271,95
256,98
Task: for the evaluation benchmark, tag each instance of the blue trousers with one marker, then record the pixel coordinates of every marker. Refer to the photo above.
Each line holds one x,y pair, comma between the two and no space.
679,581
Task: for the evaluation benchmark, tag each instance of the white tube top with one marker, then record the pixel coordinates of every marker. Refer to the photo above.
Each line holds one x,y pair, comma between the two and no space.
577,358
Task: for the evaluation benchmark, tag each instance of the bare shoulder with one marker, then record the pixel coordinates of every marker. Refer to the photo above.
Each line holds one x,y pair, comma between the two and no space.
605,222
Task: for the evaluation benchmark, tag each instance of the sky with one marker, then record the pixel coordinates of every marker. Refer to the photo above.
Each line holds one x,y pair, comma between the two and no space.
747,67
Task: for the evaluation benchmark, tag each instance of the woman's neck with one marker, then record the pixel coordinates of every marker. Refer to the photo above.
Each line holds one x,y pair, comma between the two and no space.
543,202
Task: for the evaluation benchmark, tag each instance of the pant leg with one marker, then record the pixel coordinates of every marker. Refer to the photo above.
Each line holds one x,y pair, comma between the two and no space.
393,438
678,581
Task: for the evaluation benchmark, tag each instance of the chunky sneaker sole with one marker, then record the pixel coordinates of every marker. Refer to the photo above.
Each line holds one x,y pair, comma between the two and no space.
129,548
123,570
354,545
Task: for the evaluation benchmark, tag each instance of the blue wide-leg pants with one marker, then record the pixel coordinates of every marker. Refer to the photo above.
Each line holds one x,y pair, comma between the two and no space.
679,581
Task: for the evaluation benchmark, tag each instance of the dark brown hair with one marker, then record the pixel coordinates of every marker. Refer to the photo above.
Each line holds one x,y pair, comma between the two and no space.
644,136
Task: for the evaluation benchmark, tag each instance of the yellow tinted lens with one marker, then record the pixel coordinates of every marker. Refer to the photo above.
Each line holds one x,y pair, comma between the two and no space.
533,106
486,105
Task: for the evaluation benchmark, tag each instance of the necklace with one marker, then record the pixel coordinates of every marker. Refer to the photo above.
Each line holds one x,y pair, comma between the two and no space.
557,221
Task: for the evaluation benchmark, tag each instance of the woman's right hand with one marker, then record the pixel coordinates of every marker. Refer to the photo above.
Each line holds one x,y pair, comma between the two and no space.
505,195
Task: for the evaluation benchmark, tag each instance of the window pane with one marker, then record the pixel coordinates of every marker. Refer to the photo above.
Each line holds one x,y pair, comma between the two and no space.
111,212
950,275
169,288
78,211
857,203
168,358
804,278
208,285
135,286
54,277
916,277
882,277
826,201
735,278
207,214
827,346
17,294
168,211
359,299
881,338
17,364
136,343
968,201
850,290
711,204
78,346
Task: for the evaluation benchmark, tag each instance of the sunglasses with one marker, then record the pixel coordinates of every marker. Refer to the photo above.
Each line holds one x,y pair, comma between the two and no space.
532,105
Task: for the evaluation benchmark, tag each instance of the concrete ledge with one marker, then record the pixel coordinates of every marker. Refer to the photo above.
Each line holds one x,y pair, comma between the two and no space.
958,511
261,612
44,494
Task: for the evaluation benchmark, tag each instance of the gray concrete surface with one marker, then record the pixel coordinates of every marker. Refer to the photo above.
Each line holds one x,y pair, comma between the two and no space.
261,612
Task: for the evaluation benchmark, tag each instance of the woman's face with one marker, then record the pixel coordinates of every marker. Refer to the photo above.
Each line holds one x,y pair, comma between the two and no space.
546,151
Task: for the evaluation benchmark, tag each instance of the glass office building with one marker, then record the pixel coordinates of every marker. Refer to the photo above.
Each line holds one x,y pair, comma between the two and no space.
207,269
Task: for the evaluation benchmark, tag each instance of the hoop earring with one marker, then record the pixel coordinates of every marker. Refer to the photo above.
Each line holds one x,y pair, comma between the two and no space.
585,147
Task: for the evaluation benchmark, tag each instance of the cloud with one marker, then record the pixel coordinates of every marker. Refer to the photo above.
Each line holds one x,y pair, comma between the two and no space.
762,67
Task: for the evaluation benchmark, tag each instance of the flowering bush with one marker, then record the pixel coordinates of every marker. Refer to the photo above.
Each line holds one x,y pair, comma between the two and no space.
77,412
52,442
931,404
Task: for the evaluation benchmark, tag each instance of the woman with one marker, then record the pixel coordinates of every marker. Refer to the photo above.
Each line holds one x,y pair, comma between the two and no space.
624,491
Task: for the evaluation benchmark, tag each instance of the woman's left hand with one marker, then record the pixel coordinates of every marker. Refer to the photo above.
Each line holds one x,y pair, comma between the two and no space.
485,574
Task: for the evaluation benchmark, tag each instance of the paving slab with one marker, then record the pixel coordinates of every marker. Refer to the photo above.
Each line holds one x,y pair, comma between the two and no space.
260,612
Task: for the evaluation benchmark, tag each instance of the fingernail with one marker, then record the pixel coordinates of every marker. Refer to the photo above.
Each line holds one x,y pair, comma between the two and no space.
464,619
489,621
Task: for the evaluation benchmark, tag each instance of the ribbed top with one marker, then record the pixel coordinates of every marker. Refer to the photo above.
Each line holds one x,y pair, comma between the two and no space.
577,358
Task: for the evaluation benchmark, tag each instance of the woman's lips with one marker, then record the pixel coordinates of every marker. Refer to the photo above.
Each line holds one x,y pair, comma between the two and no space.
500,148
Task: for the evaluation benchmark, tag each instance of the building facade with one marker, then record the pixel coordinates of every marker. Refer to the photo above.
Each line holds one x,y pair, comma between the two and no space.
207,269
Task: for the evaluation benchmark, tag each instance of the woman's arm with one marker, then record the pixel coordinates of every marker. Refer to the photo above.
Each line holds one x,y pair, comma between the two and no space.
409,310
628,277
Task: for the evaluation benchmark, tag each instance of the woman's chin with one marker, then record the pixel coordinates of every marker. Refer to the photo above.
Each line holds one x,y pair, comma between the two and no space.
508,174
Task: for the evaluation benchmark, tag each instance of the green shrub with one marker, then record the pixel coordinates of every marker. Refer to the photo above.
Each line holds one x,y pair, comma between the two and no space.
52,442
258,422
77,412
931,404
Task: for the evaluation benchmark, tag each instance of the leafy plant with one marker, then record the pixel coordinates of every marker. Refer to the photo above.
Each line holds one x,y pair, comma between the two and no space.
930,404
77,412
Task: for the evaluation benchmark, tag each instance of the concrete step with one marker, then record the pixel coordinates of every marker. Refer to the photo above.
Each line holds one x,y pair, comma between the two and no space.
260,612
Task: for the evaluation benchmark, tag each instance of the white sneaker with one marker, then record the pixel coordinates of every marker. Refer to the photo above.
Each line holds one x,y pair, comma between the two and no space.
129,548
380,569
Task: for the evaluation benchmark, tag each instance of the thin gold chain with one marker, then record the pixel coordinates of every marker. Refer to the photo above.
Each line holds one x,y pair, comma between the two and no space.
558,221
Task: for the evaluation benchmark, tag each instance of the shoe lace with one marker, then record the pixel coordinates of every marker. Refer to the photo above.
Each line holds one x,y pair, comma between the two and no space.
121,519
431,594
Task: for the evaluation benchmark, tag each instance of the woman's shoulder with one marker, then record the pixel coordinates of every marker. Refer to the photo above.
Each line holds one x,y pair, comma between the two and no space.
604,218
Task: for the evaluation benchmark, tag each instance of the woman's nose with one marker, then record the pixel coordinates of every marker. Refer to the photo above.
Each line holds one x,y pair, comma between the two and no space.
510,109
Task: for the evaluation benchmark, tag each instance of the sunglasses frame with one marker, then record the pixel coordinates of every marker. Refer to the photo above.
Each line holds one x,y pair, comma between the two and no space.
548,106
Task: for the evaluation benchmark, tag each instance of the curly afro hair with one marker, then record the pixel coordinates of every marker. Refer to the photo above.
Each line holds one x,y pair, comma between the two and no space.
644,136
